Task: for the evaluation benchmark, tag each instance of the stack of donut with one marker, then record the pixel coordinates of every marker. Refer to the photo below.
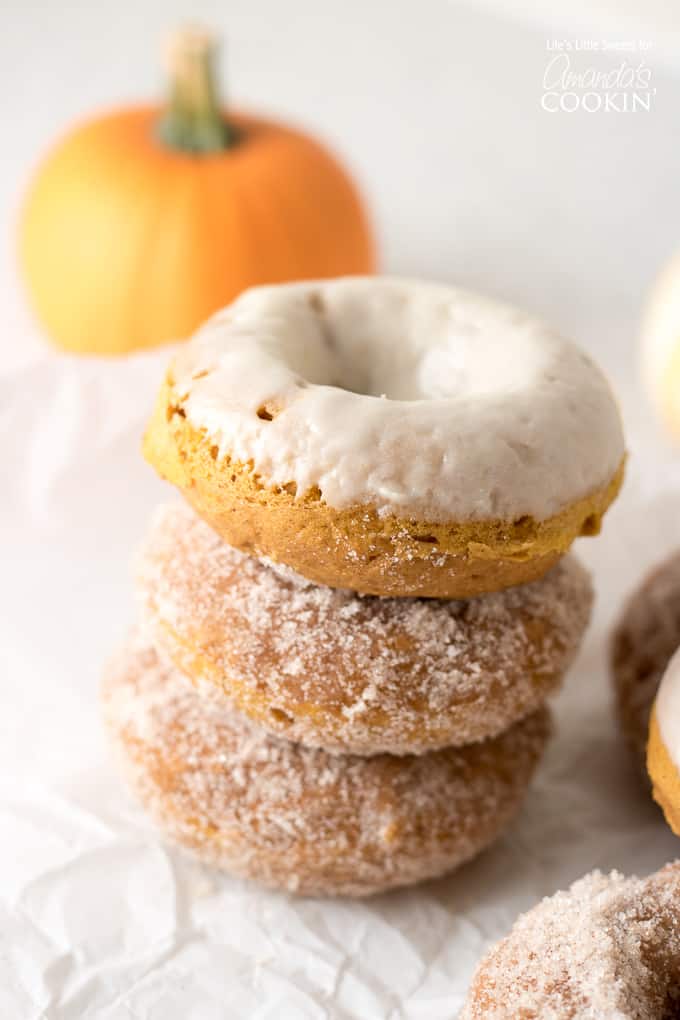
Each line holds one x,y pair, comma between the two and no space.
348,636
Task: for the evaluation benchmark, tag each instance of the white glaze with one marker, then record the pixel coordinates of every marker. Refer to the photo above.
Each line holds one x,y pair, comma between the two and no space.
661,339
668,709
416,398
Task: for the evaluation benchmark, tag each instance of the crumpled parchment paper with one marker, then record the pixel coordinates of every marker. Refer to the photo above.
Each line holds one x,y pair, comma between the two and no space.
98,918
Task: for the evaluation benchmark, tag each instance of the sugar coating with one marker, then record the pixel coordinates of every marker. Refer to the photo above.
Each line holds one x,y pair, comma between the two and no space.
381,674
644,640
607,949
297,818
414,398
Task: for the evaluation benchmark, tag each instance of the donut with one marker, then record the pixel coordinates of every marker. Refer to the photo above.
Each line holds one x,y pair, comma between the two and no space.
607,949
663,749
352,673
389,436
297,818
660,348
643,642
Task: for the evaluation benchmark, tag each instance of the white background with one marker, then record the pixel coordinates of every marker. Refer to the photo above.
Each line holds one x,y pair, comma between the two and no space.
436,108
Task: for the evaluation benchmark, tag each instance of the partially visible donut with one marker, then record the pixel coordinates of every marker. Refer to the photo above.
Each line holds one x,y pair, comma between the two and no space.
301,819
608,949
390,436
663,750
352,673
643,642
660,345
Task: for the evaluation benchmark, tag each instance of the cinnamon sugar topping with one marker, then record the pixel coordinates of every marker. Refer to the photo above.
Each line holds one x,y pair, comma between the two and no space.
299,818
348,672
608,949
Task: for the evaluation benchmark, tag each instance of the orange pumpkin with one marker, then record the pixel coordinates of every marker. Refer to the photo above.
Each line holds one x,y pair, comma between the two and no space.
142,223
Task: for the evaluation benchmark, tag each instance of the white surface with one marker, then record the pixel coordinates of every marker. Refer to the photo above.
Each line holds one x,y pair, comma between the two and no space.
99,920
437,109
655,20
490,414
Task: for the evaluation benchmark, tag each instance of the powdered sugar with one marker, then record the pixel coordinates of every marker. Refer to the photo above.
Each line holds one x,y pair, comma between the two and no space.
608,949
379,674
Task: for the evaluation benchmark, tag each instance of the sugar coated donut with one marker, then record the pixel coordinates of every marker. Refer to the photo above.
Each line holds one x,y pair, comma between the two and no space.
354,673
297,818
608,949
643,642
663,750
389,436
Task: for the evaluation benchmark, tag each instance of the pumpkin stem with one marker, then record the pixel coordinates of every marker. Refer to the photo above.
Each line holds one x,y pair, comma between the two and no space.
193,121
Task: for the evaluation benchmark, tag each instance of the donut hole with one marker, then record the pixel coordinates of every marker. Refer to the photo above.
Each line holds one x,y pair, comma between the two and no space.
394,340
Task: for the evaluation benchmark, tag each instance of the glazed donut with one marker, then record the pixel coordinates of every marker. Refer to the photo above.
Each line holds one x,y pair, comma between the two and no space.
300,819
663,750
660,347
608,949
354,673
643,642
389,436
